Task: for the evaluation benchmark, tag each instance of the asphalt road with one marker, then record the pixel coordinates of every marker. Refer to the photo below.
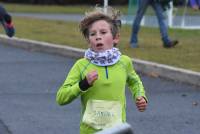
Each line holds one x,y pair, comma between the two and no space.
29,81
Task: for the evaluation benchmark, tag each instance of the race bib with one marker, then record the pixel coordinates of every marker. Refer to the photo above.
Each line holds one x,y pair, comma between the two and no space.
101,114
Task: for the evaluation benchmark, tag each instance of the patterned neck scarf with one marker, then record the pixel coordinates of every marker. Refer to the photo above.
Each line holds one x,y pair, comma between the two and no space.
106,58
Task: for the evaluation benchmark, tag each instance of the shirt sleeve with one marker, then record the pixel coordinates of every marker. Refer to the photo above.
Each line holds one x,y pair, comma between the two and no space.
134,83
70,89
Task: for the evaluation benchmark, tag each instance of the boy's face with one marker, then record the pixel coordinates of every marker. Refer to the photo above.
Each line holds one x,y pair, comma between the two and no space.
100,36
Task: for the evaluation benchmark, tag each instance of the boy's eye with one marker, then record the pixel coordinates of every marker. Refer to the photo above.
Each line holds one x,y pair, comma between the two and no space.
103,32
92,34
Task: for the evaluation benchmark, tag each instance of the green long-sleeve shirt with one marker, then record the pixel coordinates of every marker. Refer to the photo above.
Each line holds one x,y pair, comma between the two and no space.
110,86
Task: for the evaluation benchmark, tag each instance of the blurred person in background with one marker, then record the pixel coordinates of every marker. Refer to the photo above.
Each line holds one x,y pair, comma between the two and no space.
6,21
159,6
195,4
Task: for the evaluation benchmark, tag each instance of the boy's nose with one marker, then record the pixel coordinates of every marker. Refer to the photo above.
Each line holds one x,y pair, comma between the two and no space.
98,37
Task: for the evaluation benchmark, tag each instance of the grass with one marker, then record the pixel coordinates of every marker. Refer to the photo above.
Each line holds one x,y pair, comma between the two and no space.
81,9
77,9
185,55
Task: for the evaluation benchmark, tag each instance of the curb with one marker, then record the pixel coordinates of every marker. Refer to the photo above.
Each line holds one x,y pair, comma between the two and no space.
146,67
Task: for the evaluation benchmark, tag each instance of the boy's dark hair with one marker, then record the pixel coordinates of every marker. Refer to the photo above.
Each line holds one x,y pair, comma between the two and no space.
99,15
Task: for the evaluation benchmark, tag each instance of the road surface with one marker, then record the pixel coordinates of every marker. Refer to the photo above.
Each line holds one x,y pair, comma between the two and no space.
29,81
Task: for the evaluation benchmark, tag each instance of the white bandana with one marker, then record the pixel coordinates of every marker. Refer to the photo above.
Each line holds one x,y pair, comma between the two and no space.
106,58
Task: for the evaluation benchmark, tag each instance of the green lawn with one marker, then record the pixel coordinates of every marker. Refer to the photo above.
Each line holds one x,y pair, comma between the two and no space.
76,9
81,9
185,55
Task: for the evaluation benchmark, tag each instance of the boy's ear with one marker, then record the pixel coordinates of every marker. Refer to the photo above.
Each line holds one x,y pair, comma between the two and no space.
116,38
87,39
88,42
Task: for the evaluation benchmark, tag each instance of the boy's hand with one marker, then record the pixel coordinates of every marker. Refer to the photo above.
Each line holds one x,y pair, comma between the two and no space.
141,104
92,77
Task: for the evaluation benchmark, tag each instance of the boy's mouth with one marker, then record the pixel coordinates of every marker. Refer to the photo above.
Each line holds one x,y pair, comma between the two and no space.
99,45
